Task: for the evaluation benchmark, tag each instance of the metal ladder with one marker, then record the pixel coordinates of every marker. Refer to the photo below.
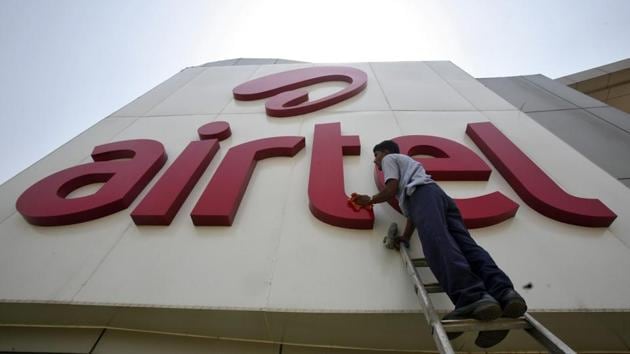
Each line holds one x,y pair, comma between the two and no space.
440,328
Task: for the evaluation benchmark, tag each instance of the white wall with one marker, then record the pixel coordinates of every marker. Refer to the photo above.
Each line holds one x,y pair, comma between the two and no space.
277,256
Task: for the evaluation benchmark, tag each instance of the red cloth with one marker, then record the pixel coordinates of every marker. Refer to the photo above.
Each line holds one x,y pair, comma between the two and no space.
356,206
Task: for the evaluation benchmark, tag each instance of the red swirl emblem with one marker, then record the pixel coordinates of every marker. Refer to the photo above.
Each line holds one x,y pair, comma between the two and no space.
287,98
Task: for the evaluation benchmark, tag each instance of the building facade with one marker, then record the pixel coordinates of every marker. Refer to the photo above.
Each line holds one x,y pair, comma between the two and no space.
608,83
210,214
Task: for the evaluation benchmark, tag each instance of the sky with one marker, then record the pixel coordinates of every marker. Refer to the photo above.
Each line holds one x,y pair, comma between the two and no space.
65,65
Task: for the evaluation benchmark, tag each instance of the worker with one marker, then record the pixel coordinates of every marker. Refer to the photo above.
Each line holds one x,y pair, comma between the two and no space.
466,272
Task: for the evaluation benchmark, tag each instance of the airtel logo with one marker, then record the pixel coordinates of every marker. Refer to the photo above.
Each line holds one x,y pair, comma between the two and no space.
126,167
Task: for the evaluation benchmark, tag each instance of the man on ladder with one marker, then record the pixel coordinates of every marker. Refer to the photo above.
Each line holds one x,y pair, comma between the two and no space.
466,272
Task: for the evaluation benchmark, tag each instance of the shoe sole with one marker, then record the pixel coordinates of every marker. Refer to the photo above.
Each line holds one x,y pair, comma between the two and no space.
487,339
487,312
484,312
515,308
453,335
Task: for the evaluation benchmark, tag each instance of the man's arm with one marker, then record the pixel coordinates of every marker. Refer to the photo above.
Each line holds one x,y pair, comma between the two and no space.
389,192
406,235
409,227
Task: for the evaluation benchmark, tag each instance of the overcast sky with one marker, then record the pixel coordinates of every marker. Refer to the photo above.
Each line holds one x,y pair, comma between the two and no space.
64,65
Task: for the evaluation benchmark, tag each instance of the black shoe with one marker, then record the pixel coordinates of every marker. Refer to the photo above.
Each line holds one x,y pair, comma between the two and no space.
484,309
513,304
487,339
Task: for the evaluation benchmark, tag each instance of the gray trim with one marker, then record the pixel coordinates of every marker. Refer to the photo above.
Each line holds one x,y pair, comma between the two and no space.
599,132
598,71
250,61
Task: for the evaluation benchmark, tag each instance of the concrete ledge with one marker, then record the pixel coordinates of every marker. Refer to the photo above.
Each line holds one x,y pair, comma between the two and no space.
583,331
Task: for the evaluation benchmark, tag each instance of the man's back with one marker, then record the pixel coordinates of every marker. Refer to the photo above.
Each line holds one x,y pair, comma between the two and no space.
409,173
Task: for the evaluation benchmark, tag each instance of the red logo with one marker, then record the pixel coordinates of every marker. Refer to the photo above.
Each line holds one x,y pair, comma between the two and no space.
288,100
126,167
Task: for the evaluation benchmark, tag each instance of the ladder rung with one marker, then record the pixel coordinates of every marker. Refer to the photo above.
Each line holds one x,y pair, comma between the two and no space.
440,328
419,262
433,288
474,325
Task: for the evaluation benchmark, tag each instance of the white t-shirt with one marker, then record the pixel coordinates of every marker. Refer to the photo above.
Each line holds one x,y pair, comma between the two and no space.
409,173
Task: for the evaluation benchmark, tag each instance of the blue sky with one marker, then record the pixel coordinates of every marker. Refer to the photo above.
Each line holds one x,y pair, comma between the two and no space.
65,65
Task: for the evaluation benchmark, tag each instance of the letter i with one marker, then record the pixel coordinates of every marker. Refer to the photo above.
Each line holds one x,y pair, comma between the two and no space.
165,199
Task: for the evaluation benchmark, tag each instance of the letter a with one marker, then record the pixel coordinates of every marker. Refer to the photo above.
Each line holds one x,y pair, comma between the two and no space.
125,168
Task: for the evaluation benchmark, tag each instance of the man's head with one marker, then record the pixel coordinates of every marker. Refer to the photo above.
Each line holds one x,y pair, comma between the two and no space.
382,149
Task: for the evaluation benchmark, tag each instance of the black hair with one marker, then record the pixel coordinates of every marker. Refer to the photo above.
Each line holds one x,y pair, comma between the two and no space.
387,145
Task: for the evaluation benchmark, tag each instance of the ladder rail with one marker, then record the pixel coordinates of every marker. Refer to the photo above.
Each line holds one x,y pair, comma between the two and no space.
546,337
534,328
439,328
470,325
439,333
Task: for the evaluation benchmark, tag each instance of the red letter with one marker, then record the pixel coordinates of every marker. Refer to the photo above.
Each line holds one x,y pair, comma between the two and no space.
455,162
533,185
326,193
45,204
220,200
288,101
162,203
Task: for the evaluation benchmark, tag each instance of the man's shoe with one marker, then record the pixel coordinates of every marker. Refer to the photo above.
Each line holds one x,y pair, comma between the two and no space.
452,316
513,304
484,309
487,339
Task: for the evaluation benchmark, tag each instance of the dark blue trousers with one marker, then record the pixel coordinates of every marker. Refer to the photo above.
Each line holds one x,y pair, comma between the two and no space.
464,269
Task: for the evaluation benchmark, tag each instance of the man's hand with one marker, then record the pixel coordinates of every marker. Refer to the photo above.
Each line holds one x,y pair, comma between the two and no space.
362,199
401,240
406,235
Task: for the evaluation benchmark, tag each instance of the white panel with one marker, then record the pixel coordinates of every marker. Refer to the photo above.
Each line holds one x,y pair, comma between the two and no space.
185,265
472,90
414,86
53,263
67,155
370,99
144,103
209,92
449,71
277,256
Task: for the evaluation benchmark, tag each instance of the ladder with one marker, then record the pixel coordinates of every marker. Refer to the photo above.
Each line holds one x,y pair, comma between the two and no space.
440,328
